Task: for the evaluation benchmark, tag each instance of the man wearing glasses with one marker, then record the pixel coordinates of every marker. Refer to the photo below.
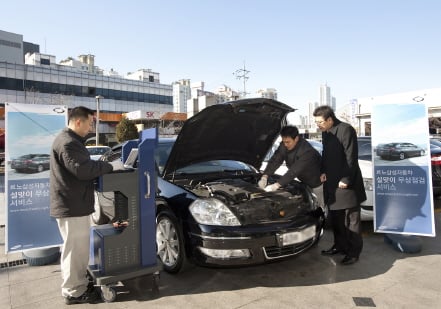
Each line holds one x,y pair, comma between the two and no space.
343,187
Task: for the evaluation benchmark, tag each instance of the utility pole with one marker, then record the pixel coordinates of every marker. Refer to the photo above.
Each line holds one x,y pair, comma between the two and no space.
242,74
97,123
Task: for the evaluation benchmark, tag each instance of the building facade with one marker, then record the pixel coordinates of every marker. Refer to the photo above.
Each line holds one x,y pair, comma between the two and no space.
269,93
181,94
38,79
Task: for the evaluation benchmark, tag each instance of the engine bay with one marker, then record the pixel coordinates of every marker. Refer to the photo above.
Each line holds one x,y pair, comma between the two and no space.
253,205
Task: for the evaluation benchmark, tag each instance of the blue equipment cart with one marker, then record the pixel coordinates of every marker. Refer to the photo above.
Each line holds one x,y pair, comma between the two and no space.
129,249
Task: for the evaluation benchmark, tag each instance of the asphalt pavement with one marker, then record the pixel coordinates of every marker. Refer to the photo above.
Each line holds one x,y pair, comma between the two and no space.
382,278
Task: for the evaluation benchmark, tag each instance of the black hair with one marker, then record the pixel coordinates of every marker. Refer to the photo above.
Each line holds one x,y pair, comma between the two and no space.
80,112
324,111
289,131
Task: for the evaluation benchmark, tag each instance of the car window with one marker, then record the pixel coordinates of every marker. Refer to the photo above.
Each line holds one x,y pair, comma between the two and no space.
364,149
435,142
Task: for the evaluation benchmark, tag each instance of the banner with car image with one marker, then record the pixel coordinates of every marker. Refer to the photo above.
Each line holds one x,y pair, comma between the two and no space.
30,131
402,171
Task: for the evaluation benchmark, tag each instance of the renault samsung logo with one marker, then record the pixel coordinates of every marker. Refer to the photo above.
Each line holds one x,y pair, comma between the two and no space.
58,110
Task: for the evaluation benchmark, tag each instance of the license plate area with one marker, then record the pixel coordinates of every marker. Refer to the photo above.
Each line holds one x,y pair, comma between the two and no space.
291,238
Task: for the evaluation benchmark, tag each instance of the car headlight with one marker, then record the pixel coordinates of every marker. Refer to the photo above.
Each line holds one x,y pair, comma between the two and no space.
211,211
368,184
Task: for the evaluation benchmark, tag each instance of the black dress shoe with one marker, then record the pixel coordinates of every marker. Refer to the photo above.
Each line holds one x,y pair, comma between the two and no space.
86,297
348,260
331,251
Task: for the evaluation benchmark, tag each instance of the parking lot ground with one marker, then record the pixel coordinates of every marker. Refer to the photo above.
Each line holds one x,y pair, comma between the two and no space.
382,278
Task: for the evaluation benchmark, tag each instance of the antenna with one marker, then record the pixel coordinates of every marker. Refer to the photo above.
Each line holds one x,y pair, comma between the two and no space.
242,74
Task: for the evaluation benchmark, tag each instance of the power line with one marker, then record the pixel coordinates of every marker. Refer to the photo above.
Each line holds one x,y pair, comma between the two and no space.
242,74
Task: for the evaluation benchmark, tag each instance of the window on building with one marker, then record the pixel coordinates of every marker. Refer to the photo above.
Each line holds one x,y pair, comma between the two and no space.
45,61
151,78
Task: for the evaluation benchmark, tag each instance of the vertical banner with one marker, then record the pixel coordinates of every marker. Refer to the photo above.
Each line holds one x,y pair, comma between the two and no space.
402,171
31,129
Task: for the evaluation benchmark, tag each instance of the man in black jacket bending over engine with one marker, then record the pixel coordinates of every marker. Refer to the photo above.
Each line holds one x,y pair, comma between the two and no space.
302,160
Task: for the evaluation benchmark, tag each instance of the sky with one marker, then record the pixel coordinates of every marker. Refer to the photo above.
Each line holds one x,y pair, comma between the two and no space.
405,122
358,48
32,130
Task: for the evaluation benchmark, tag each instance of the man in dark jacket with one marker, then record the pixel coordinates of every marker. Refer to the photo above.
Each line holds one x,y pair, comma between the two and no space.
302,160
72,175
343,187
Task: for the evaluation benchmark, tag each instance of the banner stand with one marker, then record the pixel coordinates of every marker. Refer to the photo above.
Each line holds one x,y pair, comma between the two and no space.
404,243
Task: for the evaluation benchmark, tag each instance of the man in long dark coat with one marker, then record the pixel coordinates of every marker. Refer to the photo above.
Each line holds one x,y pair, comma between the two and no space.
343,187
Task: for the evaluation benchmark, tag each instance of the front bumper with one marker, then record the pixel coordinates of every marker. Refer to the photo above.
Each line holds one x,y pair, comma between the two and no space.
262,246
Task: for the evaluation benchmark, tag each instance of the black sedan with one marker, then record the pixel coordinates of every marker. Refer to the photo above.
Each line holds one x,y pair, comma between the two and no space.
209,208
399,151
31,163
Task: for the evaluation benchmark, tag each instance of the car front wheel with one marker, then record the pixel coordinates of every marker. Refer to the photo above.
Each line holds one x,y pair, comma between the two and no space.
170,243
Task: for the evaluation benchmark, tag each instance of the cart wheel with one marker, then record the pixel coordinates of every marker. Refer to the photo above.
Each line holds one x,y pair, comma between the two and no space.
108,293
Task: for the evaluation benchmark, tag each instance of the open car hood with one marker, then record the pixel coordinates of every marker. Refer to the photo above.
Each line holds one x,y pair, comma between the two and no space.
242,130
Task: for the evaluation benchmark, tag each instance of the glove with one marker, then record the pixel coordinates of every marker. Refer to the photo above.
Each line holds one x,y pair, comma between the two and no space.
272,187
117,165
263,182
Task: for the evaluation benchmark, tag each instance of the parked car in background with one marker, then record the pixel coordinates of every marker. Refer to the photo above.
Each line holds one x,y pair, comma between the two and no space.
31,163
97,151
365,163
401,151
435,159
2,163
209,208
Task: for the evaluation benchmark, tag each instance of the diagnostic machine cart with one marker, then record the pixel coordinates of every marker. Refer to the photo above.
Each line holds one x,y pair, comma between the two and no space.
127,248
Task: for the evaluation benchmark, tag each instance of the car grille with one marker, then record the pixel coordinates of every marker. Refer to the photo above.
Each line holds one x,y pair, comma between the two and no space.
275,252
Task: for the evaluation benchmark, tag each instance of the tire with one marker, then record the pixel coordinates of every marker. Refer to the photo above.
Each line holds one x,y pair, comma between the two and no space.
40,257
170,242
108,293
422,153
98,217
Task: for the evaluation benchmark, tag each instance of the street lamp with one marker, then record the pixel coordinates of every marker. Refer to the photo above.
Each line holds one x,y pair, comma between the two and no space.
97,123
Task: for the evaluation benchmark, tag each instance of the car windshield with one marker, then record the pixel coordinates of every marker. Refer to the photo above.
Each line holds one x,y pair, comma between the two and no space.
364,149
98,150
163,150
215,166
